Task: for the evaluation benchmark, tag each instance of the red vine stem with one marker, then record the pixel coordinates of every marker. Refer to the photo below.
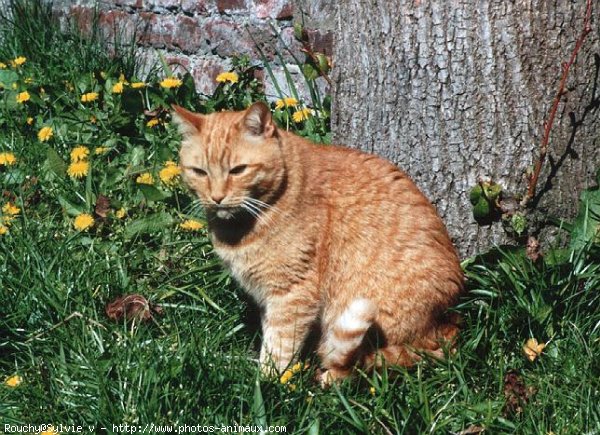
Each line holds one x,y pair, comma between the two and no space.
533,178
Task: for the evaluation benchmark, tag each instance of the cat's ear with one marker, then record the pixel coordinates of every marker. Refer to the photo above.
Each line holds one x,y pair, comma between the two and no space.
189,123
258,120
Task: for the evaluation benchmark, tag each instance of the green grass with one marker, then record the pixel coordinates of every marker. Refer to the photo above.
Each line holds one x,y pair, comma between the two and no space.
196,362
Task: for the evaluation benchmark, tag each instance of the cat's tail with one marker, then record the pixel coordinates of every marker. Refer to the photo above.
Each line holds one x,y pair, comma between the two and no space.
343,339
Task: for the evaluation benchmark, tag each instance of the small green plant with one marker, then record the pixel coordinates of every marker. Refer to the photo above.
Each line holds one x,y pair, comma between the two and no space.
237,89
310,119
485,197
315,64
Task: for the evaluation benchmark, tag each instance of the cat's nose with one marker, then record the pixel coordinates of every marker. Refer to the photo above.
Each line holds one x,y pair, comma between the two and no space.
217,198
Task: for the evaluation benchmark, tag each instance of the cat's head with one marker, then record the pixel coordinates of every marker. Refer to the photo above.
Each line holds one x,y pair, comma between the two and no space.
231,160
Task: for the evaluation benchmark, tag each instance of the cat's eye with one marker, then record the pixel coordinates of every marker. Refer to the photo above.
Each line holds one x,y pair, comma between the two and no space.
199,172
236,170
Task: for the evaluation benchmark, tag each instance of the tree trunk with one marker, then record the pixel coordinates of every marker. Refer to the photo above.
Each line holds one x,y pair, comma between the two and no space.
451,90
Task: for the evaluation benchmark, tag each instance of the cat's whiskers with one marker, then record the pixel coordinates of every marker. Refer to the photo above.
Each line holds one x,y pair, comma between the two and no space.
195,206
262,204
259,216
255,211
250,210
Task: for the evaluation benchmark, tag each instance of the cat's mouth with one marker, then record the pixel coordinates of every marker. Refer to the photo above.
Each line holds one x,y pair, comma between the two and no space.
225,213
231,211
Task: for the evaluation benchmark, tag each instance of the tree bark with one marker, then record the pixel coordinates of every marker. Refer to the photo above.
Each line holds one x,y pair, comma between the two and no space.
451,90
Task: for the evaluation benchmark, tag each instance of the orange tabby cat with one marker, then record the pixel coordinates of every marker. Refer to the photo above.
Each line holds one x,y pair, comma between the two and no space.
322,235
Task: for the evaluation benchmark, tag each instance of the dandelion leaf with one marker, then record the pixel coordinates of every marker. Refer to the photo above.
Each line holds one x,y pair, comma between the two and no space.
69,207
55,163
14,177
152,193
149,224
8,77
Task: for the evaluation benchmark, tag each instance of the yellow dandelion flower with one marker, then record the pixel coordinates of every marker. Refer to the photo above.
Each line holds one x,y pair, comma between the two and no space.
138,85
13,381
9,212
101,150
3,229
45,134
78,169
153,122
191,225
289,373
286,376
225,77
7,159
23,97
10,209
145,178
171,82
18,61
49,431
89,97
286,102
29,120
168,175
532,349
372,391
117,88
79,153
302,115
120,213
83,222
3,65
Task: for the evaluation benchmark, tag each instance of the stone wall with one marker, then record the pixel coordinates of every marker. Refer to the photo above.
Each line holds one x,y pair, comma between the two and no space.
202,36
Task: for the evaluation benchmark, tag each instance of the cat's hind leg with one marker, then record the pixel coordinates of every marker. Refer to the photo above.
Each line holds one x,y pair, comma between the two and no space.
343,338
437,343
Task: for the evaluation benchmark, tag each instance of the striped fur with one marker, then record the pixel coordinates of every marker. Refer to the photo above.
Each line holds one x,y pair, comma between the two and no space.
322,235
345,337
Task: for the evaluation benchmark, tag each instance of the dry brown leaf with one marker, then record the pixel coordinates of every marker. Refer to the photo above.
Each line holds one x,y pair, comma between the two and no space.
471,430
533,251
532,349
102,206
516,393
131,307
